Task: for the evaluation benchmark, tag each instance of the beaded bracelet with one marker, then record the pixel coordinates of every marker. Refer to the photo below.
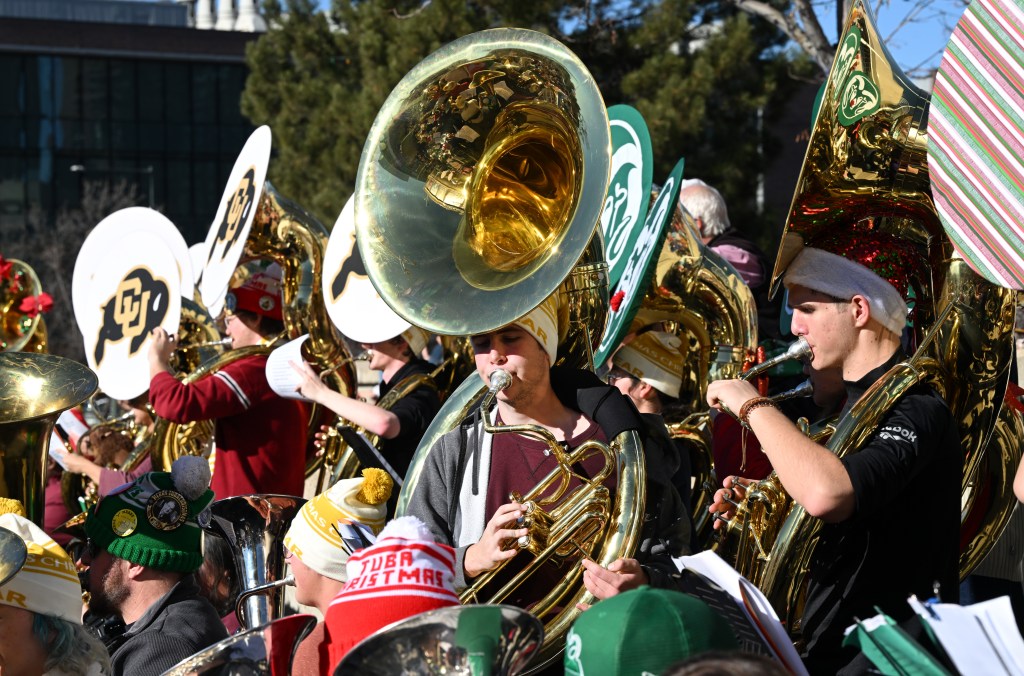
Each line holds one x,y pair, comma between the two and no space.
752,405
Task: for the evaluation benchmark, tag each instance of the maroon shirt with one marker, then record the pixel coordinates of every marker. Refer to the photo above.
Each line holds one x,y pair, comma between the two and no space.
518,463
261,437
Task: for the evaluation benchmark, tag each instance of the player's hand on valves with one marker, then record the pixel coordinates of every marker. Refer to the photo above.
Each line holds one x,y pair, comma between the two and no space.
726,499
489,551
162,347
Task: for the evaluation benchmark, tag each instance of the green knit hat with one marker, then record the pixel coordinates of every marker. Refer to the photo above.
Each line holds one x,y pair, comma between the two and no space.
152,521
642,631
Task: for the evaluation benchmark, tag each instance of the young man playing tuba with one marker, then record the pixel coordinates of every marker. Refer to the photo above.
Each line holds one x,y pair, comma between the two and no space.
847,293
463,493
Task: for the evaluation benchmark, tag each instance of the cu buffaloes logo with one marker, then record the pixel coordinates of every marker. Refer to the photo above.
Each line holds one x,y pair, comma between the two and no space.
353,265
239,205
137,307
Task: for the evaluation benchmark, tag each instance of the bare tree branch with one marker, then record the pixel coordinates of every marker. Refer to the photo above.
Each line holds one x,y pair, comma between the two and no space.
801,25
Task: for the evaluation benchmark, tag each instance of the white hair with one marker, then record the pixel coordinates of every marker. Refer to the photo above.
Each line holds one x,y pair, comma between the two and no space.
705,203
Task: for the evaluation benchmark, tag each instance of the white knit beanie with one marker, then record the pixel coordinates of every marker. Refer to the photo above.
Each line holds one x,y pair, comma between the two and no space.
656,358
542,323
48,583
841,277
314,535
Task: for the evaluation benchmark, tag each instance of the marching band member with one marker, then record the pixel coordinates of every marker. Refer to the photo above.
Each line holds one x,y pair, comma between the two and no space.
648,370
462,495
144,543
319,546
106,478
261,437
846,292
41,610
400,427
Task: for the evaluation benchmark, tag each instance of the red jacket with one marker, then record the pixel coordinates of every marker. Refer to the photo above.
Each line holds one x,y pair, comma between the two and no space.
261,437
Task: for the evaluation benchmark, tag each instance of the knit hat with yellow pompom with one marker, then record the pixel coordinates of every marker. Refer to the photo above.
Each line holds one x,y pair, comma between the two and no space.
48,582
315,536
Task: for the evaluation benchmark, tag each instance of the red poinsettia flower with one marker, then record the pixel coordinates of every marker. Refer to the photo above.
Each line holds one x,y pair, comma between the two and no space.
5,268
31,306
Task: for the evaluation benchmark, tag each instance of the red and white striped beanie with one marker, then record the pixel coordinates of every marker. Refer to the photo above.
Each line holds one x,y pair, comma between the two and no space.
402,574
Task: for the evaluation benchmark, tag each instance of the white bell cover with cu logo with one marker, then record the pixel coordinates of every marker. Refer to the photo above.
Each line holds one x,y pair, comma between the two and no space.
134,289
108,234
353,304
225,240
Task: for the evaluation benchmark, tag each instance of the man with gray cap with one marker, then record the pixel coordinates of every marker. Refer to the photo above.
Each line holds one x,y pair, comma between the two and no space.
848,296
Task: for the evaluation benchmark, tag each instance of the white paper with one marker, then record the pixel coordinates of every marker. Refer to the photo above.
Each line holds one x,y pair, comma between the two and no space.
57,450
981,639
280,375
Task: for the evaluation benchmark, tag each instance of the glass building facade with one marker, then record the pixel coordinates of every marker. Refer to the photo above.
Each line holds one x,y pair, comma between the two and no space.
173,128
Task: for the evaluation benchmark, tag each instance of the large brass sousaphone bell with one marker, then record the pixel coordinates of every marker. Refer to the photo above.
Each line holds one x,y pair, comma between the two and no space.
482,181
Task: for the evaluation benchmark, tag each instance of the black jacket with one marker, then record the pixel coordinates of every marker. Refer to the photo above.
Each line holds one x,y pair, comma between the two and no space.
177,626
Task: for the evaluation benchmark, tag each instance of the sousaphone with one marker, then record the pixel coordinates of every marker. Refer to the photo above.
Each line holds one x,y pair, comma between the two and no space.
479,191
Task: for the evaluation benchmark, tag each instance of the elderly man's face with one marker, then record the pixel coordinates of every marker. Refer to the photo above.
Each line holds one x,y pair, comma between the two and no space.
515,351
21,653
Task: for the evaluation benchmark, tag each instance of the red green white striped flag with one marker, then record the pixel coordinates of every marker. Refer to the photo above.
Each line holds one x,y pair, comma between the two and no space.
976,140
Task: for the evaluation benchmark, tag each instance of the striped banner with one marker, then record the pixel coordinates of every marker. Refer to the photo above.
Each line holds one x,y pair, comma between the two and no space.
976,140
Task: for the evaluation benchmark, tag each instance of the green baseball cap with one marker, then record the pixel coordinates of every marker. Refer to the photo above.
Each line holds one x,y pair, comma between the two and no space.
642,631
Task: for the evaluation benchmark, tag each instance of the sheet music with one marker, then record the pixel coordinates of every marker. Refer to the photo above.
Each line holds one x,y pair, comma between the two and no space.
981,639
57,450
280,375
757,613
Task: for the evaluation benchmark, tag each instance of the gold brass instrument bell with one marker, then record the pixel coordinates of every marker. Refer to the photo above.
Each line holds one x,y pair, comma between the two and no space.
20,331
483,180
34,390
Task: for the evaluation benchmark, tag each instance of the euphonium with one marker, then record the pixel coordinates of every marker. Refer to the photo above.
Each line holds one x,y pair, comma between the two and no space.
866,159
479,190
34,389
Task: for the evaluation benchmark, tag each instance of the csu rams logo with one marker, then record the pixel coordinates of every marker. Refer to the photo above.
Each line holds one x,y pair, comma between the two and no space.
137,307
353,264
238,208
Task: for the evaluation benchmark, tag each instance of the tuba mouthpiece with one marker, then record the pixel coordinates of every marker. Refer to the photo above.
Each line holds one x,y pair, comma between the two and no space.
499,380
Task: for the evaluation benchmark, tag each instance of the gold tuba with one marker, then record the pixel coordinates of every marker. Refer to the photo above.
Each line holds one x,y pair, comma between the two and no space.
866,160
479,190
34,389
